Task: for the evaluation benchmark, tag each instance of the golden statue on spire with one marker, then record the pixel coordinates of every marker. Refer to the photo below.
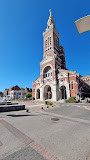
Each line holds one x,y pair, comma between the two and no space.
50,12
50,17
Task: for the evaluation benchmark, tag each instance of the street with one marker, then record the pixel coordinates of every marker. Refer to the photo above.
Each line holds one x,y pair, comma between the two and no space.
56,133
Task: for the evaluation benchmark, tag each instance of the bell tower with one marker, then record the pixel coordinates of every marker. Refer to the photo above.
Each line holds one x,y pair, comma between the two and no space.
51,37
47,84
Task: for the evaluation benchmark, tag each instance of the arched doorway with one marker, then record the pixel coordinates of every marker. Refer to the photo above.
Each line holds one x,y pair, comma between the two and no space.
63,94
47,92
38,94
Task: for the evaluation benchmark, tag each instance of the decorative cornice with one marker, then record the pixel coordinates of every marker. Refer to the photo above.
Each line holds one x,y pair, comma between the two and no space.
47,31
51,29
46,60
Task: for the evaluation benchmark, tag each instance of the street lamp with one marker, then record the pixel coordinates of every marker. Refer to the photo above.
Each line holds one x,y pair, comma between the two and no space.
83,24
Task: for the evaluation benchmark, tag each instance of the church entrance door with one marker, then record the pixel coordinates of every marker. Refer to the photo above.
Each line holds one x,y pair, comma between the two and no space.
38,94
63,92
47,92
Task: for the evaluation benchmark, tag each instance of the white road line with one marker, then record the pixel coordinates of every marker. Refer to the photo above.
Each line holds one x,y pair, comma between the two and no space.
37,105
77,106
80,106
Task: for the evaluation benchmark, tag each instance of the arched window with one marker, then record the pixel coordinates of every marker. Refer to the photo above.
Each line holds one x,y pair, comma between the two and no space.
72,85
50,42
45,45
47,73
54,42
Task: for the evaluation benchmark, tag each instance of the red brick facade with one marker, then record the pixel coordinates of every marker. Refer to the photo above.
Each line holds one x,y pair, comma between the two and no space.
55,79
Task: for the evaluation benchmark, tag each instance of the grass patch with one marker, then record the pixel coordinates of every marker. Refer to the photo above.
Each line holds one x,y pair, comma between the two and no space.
48,103
71,100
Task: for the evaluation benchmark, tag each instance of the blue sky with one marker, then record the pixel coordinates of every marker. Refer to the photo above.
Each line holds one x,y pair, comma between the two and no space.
22,23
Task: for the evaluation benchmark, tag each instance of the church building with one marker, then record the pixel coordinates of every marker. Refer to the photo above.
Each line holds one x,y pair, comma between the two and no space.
56,82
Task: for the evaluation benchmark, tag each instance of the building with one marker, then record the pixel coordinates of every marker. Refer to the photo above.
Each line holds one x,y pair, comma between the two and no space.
15,92
28,90
56,82
5,92
86,79
1,94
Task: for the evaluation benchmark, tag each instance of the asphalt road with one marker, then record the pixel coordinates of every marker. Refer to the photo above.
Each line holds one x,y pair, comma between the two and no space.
72,110
58,133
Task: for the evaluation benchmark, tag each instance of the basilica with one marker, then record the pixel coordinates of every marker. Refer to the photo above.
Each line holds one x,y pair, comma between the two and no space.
56,82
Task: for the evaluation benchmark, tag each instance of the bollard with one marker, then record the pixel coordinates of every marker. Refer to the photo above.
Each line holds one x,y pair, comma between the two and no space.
27,110
46,102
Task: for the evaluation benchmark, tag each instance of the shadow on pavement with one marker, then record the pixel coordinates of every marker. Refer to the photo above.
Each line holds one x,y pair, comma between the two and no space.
13,115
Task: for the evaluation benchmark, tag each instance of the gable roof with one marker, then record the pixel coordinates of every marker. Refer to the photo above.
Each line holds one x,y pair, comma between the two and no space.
15,88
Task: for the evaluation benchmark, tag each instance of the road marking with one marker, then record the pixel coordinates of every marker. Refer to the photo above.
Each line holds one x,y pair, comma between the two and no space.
87,122
43,152
88,157
27,140
88,108
84,107
36,105
77,106
17,133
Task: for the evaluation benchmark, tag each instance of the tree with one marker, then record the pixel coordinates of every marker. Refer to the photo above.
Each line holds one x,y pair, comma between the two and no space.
28,95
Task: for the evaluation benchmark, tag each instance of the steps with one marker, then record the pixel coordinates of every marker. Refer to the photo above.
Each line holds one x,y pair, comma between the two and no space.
7,106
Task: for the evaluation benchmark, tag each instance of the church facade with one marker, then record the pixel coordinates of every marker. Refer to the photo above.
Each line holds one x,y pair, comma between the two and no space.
56,82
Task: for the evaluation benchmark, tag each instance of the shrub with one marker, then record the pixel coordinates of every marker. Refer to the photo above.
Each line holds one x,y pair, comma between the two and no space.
71,100
49,103
22,99
32,98
28,95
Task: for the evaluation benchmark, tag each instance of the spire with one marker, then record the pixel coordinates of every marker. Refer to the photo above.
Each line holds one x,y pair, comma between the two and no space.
50,12
50,20
50,17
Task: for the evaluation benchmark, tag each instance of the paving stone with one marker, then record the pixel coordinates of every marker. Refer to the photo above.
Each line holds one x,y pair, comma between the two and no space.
26,153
